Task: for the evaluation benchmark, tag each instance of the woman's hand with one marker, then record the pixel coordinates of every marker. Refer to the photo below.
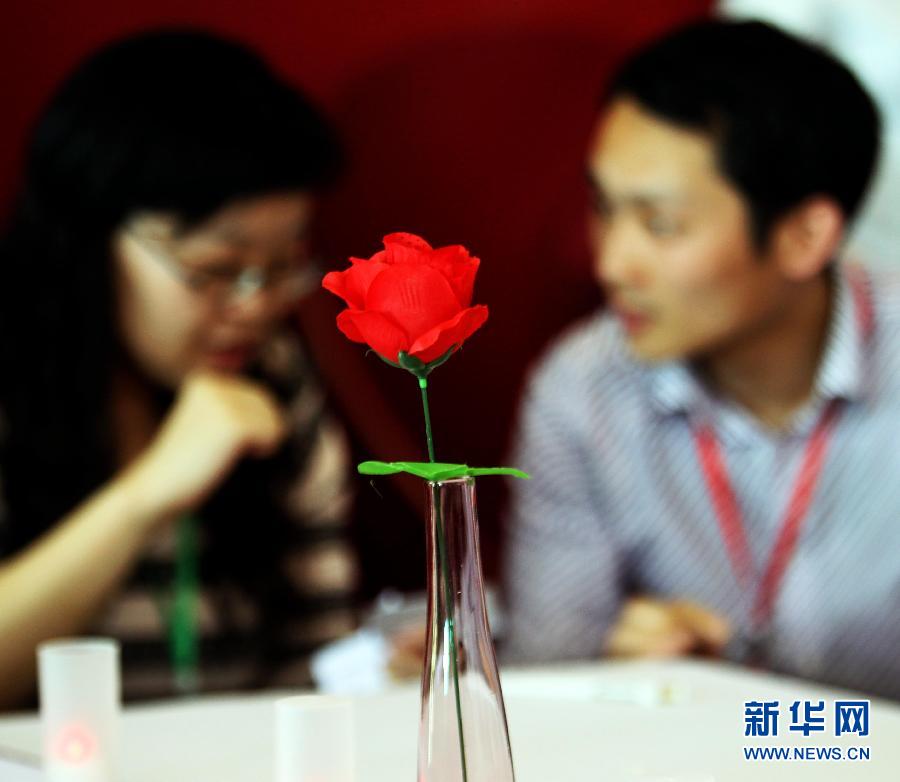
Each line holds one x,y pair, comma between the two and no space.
216,420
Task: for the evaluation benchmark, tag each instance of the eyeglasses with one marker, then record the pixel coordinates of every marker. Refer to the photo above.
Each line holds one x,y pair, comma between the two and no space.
291,277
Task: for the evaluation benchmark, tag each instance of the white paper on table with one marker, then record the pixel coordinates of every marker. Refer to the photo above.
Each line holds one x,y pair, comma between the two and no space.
354,664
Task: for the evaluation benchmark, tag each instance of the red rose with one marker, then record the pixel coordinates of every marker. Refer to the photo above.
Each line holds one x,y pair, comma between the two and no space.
409,297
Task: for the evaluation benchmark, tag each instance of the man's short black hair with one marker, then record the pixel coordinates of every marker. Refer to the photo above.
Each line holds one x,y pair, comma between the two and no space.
789,120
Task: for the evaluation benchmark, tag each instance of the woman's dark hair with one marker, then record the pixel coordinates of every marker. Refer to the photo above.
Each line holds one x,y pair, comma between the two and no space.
178,121
789,120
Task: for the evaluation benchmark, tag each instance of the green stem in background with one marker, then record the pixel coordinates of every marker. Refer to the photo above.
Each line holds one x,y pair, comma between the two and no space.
183,638
448,588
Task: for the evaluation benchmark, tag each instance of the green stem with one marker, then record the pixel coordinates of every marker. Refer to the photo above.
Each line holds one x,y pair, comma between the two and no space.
423,384
448,588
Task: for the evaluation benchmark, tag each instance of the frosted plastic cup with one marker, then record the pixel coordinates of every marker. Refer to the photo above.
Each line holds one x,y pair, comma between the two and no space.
314,739
79,686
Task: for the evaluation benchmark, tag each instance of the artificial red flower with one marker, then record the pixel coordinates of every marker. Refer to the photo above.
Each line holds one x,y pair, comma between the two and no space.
409,297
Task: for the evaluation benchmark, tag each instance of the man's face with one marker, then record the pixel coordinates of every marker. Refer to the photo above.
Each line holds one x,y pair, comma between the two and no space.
672,240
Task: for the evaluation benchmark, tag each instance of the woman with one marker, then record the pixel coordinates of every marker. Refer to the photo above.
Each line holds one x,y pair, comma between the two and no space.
150,391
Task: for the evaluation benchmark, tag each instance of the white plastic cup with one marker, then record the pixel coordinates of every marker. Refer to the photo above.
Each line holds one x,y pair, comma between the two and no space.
314,739
80,698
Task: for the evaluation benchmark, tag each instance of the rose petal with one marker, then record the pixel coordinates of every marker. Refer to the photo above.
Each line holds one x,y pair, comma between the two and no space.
353,284
403,248
416,298
460,268
408,240
381,256
336,282
378,331
455,331
347,324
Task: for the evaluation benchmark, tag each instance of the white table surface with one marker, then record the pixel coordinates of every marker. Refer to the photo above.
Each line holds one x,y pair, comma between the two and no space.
566,725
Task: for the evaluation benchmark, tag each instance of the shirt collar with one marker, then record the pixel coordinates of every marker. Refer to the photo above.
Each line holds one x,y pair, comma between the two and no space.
842,371
675,389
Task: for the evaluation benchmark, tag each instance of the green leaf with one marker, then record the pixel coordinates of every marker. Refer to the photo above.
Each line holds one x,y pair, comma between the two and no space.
430,471
377,468
435,471
512,471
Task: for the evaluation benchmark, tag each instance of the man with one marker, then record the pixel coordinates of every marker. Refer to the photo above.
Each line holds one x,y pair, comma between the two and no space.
715,456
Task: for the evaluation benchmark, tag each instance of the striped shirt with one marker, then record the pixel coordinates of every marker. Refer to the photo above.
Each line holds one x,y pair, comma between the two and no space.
277,574
619,503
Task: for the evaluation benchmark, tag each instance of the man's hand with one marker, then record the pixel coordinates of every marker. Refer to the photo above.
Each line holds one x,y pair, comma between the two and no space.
407,652
650,627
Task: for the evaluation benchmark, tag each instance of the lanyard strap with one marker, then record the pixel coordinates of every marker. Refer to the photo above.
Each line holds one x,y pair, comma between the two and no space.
182,613
725,504
730,519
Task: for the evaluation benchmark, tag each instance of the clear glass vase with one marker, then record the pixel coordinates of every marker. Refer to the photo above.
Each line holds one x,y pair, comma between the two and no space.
463,736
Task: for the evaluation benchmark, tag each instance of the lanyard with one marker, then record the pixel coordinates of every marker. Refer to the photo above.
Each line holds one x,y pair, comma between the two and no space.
724,501
182,611
729,517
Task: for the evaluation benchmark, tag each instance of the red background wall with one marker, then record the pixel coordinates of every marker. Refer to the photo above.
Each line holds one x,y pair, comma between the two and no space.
466,122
